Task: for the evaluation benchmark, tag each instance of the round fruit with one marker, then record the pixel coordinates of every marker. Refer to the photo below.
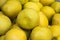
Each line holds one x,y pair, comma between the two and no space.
28,18
34,0
58,38
33,5
41,33
2,2
23,1
15,26
43,21
15,34
56,19
40,5
1,12
12,8
55,30
49,26
56,6
5,24
2,37
48,11
47,2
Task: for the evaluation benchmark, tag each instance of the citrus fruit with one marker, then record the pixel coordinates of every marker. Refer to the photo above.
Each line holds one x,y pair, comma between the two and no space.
41,33
28,18
56,6
34,0
55,30
23,1
58,38
2,2
12,8
49,26
33,5
5,24
48,11
2,37
40,5
43,21
56,19
15,34
1,12
15,26
47,2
